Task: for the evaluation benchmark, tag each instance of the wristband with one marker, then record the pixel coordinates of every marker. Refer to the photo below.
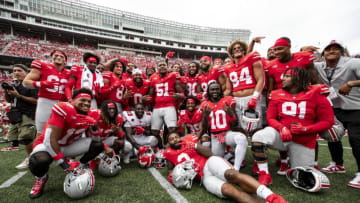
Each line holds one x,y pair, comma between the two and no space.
232,118
256,94
36,84
105,146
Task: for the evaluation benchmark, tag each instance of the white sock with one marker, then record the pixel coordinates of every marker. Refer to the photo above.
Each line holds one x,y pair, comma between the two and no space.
263,167
263,191
240,152
284,160
315,163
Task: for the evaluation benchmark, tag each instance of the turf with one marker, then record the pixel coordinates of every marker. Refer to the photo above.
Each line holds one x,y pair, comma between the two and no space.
134,184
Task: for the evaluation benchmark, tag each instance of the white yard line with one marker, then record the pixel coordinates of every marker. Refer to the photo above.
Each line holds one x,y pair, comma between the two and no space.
174,193
327,145
13,179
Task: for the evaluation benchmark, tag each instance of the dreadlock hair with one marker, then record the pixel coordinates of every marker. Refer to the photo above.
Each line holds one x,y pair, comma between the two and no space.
105,113
208,93
197,66
299,78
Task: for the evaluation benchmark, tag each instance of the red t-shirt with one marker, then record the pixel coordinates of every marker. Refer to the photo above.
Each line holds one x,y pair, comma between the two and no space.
164,88
50,73
191,123
105,129
241,74
213,75
190,83
276,68
139,92
218,118
306,108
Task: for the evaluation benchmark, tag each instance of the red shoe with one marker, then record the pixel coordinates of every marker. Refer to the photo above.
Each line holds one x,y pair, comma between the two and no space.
37,189
265,178
255,169
333,168
275,198
11,148
284,167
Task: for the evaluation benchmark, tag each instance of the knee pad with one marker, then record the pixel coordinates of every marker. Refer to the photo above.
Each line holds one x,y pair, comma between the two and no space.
39,163
153,142
127,147
259,149
26,141
241,140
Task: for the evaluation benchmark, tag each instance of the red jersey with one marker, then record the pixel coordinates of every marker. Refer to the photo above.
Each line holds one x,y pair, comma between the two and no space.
213,75
306,108
276,68
63,116
50,73
178,156
241,74
190,119
114,81
265,63
218,118
105,129
190,83
164,88
139,92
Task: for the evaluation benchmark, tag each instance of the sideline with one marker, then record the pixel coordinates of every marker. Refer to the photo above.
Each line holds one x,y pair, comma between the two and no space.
13,179
174,193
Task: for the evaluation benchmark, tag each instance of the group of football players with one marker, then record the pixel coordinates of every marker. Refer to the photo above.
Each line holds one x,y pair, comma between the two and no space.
198,122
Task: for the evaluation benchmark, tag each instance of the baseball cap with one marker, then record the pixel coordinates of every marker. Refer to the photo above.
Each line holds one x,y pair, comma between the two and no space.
334,42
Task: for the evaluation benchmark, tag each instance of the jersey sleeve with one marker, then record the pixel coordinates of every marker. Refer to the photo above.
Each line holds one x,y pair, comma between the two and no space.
272,114
325,115
120,119
255,57
181,119
127,119
57,119
37,64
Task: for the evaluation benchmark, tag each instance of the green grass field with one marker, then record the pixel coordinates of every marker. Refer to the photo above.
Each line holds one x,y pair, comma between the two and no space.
134,184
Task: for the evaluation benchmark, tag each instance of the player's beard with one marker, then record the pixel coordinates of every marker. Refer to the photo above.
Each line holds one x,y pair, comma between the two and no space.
176,146
206,68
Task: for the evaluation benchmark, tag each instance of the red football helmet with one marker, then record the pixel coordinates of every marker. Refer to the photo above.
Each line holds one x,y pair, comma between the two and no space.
146,156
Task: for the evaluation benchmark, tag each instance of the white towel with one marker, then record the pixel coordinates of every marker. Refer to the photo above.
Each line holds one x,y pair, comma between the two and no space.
87,78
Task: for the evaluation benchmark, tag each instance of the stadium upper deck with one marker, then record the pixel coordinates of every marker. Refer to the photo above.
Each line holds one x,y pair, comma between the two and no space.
89,19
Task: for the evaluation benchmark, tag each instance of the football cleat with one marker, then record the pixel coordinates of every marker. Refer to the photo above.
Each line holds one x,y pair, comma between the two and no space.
146,156
159,161
109,166
265,178
37,189
283,168
308,179
11,148
333,168
275,198
355,183
79,183
24,164
183,175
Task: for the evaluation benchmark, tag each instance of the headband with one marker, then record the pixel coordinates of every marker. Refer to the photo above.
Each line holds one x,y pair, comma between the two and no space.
119,64
83,95
136,71
91,58
59,52
206,58
190,99
281,42
110,105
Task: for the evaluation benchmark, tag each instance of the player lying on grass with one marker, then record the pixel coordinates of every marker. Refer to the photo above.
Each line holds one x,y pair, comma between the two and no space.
216,174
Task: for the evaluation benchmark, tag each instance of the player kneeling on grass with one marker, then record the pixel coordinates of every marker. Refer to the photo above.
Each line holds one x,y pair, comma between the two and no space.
295,115
217,175
62,137
137,126
110,125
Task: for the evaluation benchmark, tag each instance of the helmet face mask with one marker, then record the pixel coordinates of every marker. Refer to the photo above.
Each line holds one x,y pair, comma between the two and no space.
79,183
184,174
250,120
109,166
308,179
335,133
159,161
146,156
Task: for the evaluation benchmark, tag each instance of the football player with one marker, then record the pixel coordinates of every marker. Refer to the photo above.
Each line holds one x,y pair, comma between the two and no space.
245,80
217,175
86,76
62,137
138,128
189,80
165,89
207,74
130,67
219,115
51,79
295,115
138,88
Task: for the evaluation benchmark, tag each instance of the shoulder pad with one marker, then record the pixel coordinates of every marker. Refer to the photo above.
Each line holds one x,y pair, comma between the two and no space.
36,64
64,109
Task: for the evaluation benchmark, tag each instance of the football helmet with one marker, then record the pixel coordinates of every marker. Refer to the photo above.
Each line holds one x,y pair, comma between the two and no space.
335,133
183,175
308,179
79,183
159,161
250,120
145,156
109,166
